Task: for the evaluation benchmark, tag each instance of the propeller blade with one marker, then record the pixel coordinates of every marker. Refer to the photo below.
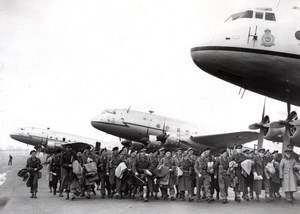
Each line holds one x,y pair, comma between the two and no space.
295,123
263,113
255,126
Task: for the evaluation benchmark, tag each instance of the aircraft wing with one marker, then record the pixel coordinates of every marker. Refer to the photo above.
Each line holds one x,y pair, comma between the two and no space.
219,141
78,146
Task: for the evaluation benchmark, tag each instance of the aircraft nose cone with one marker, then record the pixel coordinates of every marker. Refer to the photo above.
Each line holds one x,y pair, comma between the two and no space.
95,121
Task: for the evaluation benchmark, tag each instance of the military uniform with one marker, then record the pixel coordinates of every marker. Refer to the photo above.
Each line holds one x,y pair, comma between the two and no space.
67,176
54,168
169,163
203,177
111,166
104,179
34,166
139,166
222,167
185,181
241,185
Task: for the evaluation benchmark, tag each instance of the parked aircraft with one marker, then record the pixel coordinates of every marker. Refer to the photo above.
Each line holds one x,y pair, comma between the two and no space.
47,140
160,131
258,50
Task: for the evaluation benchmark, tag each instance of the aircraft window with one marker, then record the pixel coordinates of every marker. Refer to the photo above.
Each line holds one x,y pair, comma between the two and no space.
158,126
109,111
234,17
259,15
144,118
50,137
297,35
247,14
270,17
122,118
178,129
167,128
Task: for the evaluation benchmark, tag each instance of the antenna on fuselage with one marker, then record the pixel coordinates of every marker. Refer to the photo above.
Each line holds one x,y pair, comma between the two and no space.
278,3
128,109
151,112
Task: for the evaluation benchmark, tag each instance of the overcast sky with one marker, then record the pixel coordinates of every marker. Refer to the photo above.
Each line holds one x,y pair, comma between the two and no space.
64,61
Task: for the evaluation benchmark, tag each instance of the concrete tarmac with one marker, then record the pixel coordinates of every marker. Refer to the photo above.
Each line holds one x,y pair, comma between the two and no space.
15,199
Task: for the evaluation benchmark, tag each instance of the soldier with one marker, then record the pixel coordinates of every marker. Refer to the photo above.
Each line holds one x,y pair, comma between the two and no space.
222,167
241,185
10,157
112,164
66,161
131,184
192,158
286,173
34,166
203,176
294,154
167,164
141,168
177,157
275,179
54,168
104,179
260,179
153,180
185,180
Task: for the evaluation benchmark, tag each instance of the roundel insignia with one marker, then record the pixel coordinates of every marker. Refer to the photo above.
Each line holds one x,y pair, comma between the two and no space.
267,39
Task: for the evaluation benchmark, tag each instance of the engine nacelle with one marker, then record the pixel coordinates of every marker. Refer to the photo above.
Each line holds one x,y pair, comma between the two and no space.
52,145
274,134
294,130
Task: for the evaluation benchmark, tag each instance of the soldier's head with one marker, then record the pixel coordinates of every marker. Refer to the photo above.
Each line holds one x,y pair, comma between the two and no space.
68,147
115,150
239,149
143,152
33,153
168,153
79,154
190,151
87,149
261,152
288,153
179,151
275,154
223,153
132,153
207,151
103,151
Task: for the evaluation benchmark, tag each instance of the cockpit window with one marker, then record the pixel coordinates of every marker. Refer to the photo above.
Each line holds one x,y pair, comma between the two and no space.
247,14
234,17
259,15
270,17
109,111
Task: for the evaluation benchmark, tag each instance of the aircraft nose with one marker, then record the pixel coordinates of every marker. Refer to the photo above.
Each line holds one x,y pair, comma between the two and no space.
95,121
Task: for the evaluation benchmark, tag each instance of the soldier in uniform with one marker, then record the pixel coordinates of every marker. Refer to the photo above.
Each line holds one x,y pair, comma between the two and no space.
104,179
241,185
222,167
275,179
260,162
153,180
131,184
140,167
203,176
185,181
54,168
169,163
112,164
177,157
66,161
34,166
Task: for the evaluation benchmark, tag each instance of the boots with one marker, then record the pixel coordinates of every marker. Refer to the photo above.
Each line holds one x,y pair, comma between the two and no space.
54,191
257,197
68,196
32,195
60,193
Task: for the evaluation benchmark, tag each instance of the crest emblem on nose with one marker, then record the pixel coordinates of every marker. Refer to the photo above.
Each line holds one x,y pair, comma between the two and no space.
267,39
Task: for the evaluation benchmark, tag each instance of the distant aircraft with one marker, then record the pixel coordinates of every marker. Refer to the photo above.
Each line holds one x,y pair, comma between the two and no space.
48,141
258,50
172,133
